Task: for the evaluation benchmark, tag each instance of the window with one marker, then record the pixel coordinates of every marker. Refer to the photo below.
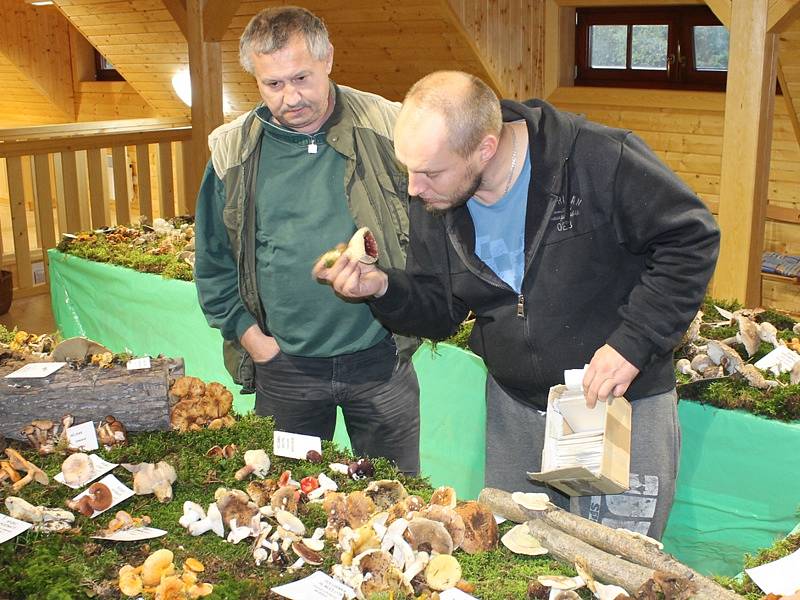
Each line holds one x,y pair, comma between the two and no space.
104,70
684,47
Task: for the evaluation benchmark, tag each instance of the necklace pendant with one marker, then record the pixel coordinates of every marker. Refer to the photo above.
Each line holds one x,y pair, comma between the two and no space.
312,148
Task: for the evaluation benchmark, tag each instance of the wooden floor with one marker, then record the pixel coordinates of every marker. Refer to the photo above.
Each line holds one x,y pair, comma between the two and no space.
32,314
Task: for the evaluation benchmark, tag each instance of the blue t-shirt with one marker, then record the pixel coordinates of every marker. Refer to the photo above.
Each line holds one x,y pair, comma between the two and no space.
500,230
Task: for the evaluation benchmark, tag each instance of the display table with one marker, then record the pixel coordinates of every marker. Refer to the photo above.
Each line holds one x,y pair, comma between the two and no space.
737,489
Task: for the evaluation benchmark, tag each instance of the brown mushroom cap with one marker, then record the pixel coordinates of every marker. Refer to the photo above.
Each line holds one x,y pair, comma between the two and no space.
444,495
260,491
448,517
480,527
285,497
428,536
99,496
359,509
307,554
235,504
386,492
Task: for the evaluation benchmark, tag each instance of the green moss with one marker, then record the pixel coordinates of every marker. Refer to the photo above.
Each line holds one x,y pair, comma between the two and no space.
779,549
6,335
461,337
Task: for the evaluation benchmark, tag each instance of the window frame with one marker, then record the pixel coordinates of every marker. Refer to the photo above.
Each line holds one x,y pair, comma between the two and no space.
101,73
680,72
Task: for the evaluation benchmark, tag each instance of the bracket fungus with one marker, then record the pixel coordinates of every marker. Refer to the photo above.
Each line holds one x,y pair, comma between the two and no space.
519,540
531,500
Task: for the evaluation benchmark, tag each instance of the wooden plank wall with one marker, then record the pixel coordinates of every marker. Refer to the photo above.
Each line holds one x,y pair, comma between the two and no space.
36,41
106,100
21,102
510,37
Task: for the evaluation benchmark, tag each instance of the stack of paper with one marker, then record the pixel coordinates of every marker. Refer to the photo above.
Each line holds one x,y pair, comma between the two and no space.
583,447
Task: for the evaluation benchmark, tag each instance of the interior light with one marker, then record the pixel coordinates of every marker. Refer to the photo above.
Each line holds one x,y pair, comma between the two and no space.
182,84
40,2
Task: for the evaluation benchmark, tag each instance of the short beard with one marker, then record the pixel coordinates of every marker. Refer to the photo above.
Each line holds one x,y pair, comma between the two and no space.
460,198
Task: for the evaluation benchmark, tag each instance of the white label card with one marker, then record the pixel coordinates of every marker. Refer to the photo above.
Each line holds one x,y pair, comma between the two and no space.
135,534
139,363
119,492
101,467
36,370
11,527
780,360
295,445
83,436
780,577
498,519
317,586
454,594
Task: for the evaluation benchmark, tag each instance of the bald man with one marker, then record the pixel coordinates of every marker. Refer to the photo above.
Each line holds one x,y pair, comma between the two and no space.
572,244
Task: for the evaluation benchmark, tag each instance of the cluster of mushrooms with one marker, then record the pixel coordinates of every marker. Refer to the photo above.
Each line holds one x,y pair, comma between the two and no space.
171,237
386,539
157,576
47,436
716,358
39,345
197,405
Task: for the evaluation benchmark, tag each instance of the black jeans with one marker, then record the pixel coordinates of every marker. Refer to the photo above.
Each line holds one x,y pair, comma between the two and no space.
377,391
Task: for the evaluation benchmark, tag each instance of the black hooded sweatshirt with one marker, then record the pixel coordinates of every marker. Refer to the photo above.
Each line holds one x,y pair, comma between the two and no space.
624,261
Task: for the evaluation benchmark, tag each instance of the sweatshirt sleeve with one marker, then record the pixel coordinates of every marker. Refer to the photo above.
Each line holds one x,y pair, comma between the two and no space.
658,216
419,301
215,270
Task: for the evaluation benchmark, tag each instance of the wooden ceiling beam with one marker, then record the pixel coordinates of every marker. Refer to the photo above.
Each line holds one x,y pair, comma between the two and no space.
781,14
721,9
177,8
216,19
787,98
746,142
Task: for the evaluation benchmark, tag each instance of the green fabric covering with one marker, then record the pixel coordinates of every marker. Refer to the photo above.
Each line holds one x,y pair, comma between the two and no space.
737,491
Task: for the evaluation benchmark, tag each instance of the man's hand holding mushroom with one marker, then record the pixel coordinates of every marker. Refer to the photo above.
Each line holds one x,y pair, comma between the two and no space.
351,278
350,269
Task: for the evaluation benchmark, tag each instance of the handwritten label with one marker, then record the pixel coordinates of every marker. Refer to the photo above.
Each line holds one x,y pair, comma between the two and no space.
83,436
11,527
317,586
295,445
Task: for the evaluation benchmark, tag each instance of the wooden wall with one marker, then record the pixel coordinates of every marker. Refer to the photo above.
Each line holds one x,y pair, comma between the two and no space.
509,36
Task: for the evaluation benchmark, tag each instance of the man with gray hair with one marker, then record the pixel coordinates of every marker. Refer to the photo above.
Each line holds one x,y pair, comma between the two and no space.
286,182
573,244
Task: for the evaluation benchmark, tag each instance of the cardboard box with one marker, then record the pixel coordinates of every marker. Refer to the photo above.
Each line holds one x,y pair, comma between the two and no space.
611,420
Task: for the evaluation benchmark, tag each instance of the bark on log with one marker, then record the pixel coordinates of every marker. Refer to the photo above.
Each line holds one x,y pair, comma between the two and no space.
605,567
138,398
604,538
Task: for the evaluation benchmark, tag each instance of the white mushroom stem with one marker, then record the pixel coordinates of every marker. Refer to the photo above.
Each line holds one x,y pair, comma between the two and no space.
192,512
685,368
212,522
415,568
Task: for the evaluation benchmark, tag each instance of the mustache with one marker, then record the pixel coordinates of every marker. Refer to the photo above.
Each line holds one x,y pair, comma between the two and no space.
293,108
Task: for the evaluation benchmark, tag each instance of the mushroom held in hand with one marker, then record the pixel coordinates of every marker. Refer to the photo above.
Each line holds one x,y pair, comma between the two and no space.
362,247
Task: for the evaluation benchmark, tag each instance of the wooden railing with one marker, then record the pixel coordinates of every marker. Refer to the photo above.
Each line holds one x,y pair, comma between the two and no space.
66,175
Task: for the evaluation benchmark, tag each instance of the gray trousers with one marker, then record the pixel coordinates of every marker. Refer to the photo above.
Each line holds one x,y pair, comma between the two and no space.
514,440
377,391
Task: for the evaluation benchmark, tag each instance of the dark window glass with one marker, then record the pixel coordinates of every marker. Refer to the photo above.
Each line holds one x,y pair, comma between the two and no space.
104,70
659,47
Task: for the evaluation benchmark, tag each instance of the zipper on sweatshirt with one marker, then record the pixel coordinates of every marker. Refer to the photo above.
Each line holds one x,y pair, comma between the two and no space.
521,306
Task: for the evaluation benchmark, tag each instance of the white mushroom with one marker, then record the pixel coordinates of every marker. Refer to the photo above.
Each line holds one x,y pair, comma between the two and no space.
289,522
700,363
755,378
192,512
724,355
238,532
531,500
748,334
149,478
256,463
43,518
609,592
421,560
519,540
326,484
767,332
560,582
212,522
796,328
794,375
77,469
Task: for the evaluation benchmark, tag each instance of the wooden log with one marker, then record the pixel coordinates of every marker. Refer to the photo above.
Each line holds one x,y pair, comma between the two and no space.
605,567
138,398
604,538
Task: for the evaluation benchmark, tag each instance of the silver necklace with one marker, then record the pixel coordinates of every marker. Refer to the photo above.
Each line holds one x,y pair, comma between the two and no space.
513,159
